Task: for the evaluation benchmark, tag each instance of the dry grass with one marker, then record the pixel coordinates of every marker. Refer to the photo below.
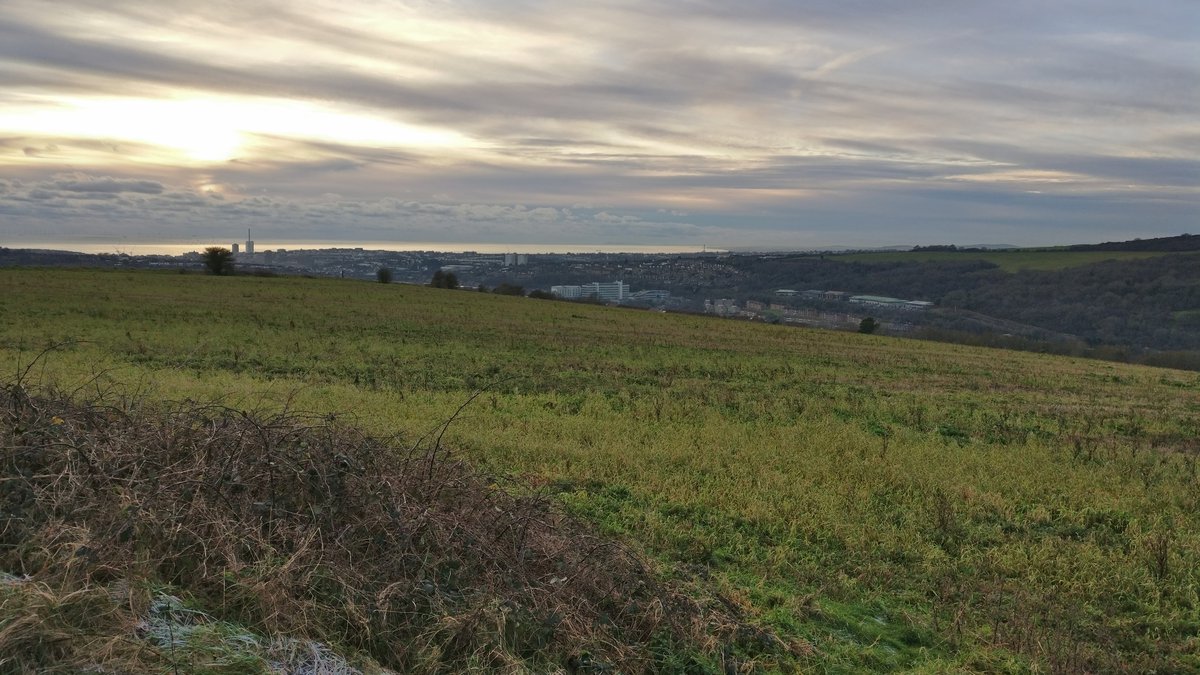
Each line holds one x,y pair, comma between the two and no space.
298,525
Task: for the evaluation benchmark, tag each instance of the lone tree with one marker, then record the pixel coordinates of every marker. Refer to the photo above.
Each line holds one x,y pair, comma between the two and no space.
383,275
218,260
444,280
508,289
868,325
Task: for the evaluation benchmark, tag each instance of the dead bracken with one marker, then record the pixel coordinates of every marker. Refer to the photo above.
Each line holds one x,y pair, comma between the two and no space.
297,525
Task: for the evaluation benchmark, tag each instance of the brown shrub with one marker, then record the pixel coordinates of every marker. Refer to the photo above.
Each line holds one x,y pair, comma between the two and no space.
301,525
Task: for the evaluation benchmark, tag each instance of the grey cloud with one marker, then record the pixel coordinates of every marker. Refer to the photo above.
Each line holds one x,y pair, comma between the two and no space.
867,108
1148,171
111,185
175,212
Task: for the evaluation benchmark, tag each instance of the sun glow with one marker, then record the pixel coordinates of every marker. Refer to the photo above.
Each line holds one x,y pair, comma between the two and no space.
209,130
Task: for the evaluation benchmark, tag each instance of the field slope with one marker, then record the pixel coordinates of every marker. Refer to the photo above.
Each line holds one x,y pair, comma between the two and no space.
877,503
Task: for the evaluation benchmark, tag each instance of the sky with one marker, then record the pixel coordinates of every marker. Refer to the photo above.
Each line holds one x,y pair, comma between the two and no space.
761,123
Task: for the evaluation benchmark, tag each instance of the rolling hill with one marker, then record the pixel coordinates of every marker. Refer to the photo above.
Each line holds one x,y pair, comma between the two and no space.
855,502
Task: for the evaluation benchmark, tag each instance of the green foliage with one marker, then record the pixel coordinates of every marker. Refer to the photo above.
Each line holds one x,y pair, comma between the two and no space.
444,280
218,260
508,289
868,325
999,511
383,275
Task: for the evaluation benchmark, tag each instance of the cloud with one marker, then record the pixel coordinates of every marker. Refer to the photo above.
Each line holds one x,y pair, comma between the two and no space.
770,118
106,184
175,212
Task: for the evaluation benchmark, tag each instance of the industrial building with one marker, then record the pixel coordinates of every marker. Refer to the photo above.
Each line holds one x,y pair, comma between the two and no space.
608,291
567,292
893,303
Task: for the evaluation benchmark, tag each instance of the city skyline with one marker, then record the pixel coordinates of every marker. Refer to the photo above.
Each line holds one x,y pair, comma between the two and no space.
772,124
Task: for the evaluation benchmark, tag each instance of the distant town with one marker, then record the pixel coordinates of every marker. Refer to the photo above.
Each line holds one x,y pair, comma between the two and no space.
675,282
1108,299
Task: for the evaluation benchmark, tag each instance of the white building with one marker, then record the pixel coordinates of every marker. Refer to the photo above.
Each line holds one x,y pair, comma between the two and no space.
567,292
651,296
721,307
608,291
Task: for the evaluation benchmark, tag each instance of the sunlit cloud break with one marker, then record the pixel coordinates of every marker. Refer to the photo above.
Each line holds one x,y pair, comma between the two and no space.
765,123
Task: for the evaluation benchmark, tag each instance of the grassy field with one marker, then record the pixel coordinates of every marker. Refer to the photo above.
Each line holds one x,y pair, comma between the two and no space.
1009,261
880,503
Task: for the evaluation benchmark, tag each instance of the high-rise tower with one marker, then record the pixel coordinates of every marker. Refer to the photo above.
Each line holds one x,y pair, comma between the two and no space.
249,243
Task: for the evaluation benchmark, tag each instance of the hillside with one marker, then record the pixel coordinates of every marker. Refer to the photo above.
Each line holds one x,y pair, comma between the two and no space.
1183,242
1140,301
1010,260
876,503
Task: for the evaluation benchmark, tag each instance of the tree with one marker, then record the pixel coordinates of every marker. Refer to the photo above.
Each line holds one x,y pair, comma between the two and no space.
868,325
383,275
444,280
218,260
508,289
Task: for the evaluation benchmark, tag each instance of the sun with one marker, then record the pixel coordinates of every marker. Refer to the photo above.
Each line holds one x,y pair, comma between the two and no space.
206,130
186,130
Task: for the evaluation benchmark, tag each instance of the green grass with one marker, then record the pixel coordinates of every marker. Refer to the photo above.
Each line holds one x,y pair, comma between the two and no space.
881,503
1009,261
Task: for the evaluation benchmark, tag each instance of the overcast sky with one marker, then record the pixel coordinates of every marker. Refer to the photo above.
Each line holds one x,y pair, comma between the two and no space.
755,123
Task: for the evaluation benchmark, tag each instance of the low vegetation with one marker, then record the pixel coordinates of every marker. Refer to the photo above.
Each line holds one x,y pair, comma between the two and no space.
292,525
849,502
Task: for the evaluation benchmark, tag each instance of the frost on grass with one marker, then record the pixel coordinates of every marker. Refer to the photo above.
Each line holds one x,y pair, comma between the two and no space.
173,628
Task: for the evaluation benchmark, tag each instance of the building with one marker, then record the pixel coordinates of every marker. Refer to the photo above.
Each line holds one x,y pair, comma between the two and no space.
249,243
721,307
891,303
650,296
235,247
522,259
510,259
608,291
